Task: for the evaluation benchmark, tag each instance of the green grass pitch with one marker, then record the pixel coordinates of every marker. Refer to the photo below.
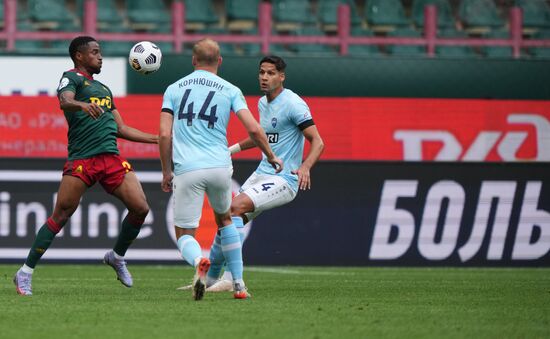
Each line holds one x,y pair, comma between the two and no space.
85,301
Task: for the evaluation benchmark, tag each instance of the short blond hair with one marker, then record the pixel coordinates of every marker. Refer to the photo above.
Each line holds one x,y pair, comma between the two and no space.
206,52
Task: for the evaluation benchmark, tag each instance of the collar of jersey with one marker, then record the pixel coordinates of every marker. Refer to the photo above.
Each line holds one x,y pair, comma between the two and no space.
87,76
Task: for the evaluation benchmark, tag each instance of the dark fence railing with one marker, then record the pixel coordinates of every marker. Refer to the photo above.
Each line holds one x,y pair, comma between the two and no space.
343,39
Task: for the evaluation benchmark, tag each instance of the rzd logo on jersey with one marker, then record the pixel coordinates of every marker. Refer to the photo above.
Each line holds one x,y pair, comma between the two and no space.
103,102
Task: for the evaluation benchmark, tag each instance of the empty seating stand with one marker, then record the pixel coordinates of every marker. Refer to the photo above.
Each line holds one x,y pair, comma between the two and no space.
458,51
327,11
406,50
107,13
445,17
242,15
289,15
200,14
362,50
479,16
147,14
48,14
536,15
385,15
541,52
498,51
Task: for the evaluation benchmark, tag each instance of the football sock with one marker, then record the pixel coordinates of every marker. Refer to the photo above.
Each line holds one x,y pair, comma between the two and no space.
43,240
216,260
232,250
238,222
27,269
128,233
190,249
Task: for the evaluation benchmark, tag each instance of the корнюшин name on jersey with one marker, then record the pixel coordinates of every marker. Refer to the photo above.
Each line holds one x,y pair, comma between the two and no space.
201,81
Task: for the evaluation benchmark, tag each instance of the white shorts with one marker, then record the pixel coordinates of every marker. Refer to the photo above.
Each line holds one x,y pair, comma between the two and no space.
266,192
189,189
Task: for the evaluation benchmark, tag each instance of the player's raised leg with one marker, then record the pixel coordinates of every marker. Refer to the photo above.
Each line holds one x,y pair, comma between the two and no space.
68,197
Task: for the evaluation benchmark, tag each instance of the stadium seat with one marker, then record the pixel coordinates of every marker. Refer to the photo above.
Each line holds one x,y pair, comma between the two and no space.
289,15
328,13
536,13
146,14
225,48
458,51
241,14
317,49
116,47
497,51
61,47
107,14
385,15
48,14
444,12
199,14
479,16
362,50
541,52
28,46
406,50
251,48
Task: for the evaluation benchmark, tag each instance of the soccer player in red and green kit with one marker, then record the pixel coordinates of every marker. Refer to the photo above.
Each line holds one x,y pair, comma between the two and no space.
94,126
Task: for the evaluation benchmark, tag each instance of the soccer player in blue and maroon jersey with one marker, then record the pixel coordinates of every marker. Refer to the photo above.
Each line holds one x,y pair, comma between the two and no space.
94,126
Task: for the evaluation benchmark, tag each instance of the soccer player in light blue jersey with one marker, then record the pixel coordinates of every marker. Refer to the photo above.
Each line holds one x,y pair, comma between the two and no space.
193,123
287,121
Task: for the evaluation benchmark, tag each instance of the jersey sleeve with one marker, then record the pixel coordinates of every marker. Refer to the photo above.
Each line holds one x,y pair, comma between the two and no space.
301,115
113,106
238,101
69,82
167,105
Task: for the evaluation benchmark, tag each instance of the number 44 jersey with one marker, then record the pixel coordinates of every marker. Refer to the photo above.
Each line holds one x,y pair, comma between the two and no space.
201,104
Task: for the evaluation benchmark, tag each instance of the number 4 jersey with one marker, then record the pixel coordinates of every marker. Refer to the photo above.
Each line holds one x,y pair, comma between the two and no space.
201,104
283,120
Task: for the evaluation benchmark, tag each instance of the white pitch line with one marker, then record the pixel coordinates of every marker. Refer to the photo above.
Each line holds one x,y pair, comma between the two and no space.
292,271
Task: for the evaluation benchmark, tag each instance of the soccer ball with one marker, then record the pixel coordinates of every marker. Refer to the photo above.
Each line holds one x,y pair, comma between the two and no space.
145,57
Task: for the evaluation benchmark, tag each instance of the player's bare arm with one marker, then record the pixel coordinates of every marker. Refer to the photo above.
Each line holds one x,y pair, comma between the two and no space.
68,103
165,149
314,138
257,135
133,134
242,145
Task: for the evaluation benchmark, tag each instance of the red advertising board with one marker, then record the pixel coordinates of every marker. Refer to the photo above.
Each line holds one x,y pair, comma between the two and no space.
352,128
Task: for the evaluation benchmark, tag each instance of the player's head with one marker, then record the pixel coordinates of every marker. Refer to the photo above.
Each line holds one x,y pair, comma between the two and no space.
206,54
271,74
85,52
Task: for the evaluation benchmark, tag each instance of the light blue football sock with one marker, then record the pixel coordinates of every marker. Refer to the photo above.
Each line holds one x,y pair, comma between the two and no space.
217,259
232,250
238,222
190,249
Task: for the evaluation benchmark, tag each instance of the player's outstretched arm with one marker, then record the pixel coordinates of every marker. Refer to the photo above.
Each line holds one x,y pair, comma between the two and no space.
242,145
133,134
165,149
314,138
257,135
68,103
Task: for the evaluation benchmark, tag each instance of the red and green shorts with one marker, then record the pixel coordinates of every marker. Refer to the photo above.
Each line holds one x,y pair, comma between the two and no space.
107,169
